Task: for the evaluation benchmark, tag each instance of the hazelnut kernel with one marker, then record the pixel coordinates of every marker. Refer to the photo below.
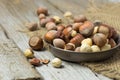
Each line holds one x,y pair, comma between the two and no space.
56,62
73,33
29,53
95,48
57,19
68,14
106,47
87,41
85,48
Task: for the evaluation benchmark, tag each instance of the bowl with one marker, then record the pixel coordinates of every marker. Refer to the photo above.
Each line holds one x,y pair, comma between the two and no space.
84,56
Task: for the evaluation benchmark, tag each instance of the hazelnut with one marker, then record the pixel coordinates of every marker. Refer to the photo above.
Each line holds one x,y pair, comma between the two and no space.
95,48
104,30
42,10
97,22
44,21
76,26
50,35
85,48
41,16
60,28
77,40
59,43
80,18
36,43
106,47
32,26
56,62
95,30
51,26
29,53
35,61
70,46
87,41
73,33
87,28
99,39
112,43
68,14
57,19
77,49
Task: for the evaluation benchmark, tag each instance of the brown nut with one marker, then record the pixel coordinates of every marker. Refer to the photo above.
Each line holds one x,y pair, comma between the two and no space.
59,43
42,10
41,16
77,49
76,26
99,39
51,26
36,43
43,21
87,28
35,61
112,43
80,18
77,40
60,28
70,46
32,26
50,35
103,29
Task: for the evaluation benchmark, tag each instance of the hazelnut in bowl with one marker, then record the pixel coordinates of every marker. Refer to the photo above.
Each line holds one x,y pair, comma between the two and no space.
86,45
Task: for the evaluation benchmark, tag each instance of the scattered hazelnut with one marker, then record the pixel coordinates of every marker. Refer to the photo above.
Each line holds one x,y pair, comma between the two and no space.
76,26
85,48
29,53
57,19
70,46
77,40
56,62
104,30
87,28
51,26
80,18
112,43
87,41
58,43
106,47
35,61
32,26
77,49
95,48
99,39
73,33
41,16
36,43
68,14
95,30
50,35
42,10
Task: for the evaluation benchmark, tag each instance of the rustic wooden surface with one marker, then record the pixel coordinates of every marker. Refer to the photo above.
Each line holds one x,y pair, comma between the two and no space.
15,13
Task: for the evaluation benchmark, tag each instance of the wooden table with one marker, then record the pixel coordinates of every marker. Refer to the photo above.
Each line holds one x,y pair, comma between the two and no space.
13,65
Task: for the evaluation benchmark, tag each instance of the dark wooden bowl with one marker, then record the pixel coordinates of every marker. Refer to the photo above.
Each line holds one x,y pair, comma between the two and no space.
83,56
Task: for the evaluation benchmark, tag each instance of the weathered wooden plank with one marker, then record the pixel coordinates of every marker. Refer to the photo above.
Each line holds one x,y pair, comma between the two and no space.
13,65
15,21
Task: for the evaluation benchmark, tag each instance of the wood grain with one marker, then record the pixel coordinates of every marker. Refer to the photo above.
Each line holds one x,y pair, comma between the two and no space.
15,14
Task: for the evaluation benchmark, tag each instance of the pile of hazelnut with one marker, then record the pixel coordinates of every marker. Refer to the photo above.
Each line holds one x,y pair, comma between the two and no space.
82,35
